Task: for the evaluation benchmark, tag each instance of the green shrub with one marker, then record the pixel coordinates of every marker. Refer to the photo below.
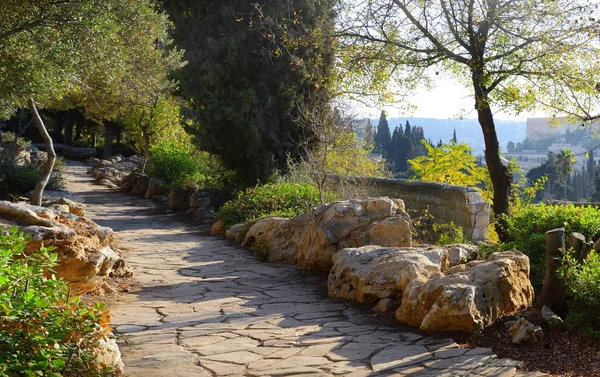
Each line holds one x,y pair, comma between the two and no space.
282,200
17,180
526,230
43,332
448,234
582,282
180,164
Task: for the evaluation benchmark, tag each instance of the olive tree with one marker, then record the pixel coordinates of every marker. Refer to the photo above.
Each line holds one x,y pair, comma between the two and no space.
514,55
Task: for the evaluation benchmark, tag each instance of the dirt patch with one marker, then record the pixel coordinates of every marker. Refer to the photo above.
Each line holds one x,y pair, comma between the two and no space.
562,352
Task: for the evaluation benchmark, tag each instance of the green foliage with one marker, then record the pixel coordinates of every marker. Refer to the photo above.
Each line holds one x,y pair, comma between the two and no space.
262,251
18,179
582,282
448,234
249,67
270,200
42,331
451,163
181,164
526,230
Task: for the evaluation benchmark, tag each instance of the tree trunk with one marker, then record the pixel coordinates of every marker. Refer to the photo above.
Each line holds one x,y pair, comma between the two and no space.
109,136
553,291
499,174
36,198
69,122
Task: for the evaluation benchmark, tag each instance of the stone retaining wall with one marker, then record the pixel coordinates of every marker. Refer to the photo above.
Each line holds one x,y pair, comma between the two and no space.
462,205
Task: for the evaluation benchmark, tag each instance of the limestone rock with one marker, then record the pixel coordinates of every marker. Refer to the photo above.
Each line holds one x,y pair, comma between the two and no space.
156,187
372,273
470,296
116,169
379,221
141,186
550,318
217,228
461,253
23,214
235,233
107,355
199,199
75,208
386,305
179,198
85,257
60,207
279,236
130,181
524,332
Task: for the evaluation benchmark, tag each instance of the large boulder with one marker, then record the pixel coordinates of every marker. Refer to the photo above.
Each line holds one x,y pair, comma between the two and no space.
312,239
372,273
75,208
141,186
280,236
469,296
116,169
179,198
85,255
156,187
430,294
379,221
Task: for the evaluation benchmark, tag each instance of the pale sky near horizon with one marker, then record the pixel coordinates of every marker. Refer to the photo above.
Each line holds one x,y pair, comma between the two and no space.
446,100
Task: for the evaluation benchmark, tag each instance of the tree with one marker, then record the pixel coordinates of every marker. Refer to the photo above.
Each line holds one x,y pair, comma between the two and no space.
512,54
454,139
249,68
383,137
564,166
510,146
369,137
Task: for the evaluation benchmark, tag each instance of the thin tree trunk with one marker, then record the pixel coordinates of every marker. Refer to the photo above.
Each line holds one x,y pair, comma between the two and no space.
36,198
109,135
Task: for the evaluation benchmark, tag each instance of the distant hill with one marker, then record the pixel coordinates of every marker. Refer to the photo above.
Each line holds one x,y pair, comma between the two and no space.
467,130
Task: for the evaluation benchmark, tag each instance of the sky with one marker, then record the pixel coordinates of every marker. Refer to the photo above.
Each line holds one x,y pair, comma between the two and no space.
447,100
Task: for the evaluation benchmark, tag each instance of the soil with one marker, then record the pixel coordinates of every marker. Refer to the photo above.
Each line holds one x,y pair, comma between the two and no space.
562,353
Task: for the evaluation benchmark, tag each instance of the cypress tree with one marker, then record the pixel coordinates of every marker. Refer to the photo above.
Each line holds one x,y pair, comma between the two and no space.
383,137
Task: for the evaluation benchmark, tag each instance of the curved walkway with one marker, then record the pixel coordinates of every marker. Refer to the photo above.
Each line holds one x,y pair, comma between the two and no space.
205,308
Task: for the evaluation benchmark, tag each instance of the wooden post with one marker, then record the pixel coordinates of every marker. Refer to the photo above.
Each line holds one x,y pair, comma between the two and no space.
36,198
553,291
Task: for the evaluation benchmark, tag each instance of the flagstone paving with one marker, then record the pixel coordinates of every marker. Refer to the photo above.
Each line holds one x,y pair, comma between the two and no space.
206,308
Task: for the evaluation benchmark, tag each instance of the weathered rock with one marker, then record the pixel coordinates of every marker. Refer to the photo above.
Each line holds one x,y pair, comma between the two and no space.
372,273
156,187
130,181
23,214
108,356
141,186
235,233
313,238
217,227
200,199
59,207
461,253
279,236
379,221
470,296
524,332
75,208
179,198
386,305
54,195
77,153
116,169
550,318
83,248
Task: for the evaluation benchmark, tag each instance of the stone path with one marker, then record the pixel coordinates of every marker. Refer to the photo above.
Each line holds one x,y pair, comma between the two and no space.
205,308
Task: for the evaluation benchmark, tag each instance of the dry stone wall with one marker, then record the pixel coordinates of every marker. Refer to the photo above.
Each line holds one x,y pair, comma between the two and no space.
462,205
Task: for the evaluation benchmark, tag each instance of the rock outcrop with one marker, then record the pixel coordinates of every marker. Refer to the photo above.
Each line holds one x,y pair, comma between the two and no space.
112,172
432,294
85,255
312,239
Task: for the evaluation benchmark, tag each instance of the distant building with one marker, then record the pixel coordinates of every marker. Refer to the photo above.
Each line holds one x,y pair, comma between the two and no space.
377,157
545,128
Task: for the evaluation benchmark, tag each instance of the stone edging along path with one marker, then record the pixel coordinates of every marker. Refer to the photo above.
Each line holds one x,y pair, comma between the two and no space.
206,308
